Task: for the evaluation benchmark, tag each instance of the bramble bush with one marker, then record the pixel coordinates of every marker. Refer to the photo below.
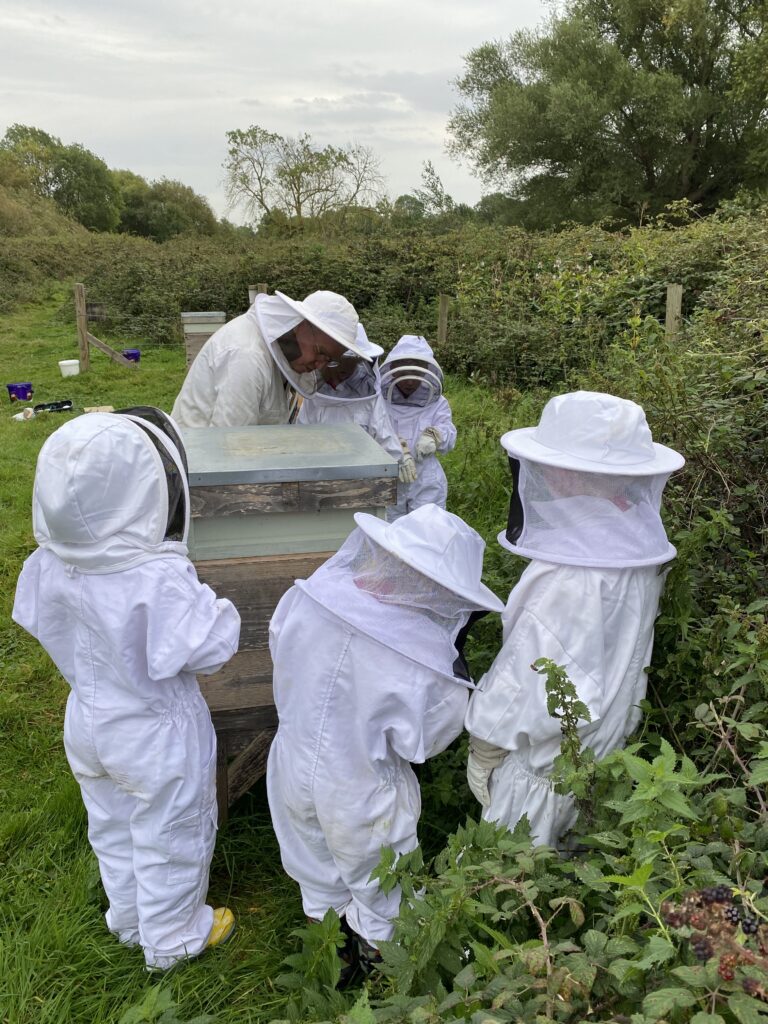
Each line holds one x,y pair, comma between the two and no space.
659,911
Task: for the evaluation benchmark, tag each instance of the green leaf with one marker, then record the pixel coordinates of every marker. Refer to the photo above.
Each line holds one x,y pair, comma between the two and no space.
658,951
759,774
154,1003
636,880
674,800
637,769
591,876
361,1012
706,1018
695,977
746,1009
657,1004
594,943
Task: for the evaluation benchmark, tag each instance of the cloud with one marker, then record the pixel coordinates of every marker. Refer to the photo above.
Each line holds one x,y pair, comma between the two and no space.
154,87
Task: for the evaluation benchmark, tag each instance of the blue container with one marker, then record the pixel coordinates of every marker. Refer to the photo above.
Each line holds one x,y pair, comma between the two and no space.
20,392
133,354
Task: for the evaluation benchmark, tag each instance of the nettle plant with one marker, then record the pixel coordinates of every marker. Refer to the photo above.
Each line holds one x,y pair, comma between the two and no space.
652,914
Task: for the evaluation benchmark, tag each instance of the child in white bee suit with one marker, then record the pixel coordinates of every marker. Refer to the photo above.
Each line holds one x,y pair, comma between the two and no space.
344,389
367,679
587,486
114,600
412,384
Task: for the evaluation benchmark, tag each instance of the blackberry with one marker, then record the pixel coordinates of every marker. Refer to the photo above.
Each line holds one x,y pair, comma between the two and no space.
749,924
701,946
698,919
732,914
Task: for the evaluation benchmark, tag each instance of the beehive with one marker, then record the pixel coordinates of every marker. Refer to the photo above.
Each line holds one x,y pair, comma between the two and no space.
269,505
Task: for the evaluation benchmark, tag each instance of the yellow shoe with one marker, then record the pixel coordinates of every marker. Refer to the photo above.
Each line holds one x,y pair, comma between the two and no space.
222,928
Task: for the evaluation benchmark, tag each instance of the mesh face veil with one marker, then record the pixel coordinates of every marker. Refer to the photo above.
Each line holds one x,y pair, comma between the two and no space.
575,517
427,376
162,432
391,581
389,601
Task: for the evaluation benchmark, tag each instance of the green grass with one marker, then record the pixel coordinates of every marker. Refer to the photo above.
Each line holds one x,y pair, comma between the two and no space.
57,961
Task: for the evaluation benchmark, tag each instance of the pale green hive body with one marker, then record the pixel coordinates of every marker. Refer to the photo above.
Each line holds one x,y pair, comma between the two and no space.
278,489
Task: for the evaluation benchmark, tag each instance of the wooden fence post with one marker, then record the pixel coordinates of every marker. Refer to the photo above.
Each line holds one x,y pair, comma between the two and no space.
442,320
674,310
254,290
82,327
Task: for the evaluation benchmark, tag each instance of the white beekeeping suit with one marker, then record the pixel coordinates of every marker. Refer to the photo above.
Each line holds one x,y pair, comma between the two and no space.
237,380
412,385
585,507
113,599
233,381
353,399
367,679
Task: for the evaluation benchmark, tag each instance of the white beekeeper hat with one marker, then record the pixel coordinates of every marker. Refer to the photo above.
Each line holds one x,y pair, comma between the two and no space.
439,545
337,317
595,433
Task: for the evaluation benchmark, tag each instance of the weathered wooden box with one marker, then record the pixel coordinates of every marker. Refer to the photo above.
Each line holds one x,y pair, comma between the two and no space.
198,327
269,505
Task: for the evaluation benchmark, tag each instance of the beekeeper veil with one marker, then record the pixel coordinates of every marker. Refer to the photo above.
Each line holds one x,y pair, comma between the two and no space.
277,316
411,585
587,485
411,363
111,490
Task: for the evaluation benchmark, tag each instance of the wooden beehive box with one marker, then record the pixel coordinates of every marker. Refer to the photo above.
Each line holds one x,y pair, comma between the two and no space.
269,505
198,327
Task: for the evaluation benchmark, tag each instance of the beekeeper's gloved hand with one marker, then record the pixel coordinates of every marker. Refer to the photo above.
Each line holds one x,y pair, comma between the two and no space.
428,441
483,758
407,469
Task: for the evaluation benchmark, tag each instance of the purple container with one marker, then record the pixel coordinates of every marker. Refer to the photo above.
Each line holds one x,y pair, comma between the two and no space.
134,354
20,392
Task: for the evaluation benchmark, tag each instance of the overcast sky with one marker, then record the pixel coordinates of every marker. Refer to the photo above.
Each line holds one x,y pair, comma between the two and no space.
154,86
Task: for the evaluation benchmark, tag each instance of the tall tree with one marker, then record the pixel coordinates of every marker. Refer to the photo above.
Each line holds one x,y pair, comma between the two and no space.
78,181
162,209
267,173
619,107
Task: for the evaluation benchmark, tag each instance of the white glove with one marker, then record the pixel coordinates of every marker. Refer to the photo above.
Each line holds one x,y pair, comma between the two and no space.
483,758
428,442
407,469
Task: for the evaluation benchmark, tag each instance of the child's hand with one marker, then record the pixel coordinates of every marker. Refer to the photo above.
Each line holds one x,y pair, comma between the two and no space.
428,442
407,470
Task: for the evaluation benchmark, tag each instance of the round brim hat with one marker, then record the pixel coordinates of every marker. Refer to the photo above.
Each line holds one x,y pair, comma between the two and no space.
335,316
424,544
594,433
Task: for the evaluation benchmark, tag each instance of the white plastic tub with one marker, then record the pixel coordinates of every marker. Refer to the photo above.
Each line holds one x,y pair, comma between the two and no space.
69,367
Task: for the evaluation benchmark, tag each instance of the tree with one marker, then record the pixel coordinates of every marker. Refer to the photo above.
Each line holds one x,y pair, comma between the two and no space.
619,107
162,209
432,197
267,173
78,181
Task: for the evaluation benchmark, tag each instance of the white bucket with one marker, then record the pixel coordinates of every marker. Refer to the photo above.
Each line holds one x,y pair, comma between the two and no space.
69,367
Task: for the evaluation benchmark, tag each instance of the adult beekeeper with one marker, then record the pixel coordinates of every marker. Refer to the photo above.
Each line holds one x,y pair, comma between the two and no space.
235,381
112,597
367,679
344,390
587,486
412,386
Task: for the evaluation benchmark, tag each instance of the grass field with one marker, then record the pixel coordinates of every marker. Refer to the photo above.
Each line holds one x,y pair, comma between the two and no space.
57,961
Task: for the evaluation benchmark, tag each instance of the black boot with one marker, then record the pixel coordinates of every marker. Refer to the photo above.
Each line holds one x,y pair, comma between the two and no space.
348,954
369,957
